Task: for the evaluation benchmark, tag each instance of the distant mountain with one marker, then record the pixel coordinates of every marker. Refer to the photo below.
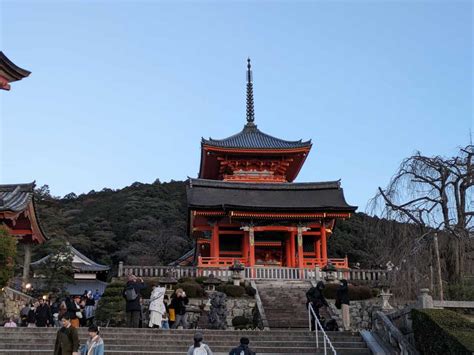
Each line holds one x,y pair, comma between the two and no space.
146,224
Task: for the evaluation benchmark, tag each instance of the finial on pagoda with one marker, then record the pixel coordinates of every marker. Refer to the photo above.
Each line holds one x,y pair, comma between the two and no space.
250,108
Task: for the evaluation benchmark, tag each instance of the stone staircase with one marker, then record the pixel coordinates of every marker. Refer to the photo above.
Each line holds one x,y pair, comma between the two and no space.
284,303
125,341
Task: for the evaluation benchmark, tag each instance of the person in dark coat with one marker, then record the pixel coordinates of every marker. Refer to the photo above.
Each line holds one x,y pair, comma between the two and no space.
74,310
133,307
67,339
342,302
179,300
42,314
243,348
315,297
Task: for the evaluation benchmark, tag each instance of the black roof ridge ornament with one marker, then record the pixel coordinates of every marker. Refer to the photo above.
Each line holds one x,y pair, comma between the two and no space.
250,104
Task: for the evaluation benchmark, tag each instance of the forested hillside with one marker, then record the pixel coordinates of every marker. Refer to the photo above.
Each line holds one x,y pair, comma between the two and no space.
146,224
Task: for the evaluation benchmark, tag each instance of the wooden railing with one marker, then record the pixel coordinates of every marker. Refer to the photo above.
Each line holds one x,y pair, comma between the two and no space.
342,263
219,261
256,272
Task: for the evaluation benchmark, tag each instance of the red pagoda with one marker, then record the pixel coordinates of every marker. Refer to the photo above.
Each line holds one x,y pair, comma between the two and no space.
18,215
9,72
245,207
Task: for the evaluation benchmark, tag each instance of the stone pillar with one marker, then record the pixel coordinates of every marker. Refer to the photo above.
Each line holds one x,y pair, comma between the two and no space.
120,269
26,263
424,299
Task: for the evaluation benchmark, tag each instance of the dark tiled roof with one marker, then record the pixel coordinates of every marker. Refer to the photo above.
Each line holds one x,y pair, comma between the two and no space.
15,197
80,262
80,285
252,138
186,258
11,71
320,196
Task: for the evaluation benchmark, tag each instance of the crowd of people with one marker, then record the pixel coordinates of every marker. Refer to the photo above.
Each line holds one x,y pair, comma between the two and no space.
316,299
46,312
165,313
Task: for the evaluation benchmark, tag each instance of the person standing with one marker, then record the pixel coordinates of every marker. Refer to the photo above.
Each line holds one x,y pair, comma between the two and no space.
243,348
131,293
74,310
42,314
10,324
342,302
315,297
67,339
157,307
89,310
165,320
199,348
30,319
179,300
24,315
95,344
96,296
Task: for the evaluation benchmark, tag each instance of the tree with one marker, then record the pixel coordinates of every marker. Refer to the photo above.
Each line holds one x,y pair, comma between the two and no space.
435,194
57,269
7,256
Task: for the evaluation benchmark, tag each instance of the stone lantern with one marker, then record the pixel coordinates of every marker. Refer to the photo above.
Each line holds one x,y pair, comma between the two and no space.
237,269
384,297
168,281
211,282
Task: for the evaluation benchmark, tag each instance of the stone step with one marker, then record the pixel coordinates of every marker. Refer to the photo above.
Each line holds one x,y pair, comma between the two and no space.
158,352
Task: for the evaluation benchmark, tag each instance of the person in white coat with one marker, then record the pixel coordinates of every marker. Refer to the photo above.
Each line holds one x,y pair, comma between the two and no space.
157,307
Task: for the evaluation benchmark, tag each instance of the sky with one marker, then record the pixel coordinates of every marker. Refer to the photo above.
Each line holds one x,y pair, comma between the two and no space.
123,91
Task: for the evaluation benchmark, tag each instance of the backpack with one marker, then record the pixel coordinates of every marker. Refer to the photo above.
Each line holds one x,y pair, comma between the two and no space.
200,351
130,294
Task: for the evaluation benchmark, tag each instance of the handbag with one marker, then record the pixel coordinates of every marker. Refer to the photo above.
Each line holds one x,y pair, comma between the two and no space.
172,314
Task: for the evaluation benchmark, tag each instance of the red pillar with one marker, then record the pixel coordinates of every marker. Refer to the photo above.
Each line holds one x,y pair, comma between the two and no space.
300,247
292,249
252,247
324,249
245,247
318,248
288,250
215,241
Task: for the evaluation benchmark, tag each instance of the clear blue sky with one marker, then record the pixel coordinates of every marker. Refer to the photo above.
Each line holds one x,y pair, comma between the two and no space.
123,91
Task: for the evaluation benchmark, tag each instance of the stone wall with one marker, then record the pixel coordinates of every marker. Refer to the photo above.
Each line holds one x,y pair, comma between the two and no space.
361,312
11,303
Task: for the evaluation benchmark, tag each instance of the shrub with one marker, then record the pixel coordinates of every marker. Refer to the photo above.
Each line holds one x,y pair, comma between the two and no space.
250,291
111,307
7,256
187,280
440,331
200,279
356,293
231,290
192,289
461,291
240,322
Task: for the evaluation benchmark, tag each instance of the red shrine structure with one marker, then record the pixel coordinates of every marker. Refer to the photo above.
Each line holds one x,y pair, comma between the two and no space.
18,215
9,72
245,207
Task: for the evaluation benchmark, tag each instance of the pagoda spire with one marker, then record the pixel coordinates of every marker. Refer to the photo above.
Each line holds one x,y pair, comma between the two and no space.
250,108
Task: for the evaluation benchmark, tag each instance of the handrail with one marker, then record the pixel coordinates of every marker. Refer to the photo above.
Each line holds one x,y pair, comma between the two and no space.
318,326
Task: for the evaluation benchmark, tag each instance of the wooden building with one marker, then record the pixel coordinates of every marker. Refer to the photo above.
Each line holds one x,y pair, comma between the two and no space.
245,206
18,215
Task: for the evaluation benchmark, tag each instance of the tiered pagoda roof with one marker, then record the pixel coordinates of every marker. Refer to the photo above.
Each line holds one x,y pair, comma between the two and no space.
223,195
9,72
18,211
252,138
